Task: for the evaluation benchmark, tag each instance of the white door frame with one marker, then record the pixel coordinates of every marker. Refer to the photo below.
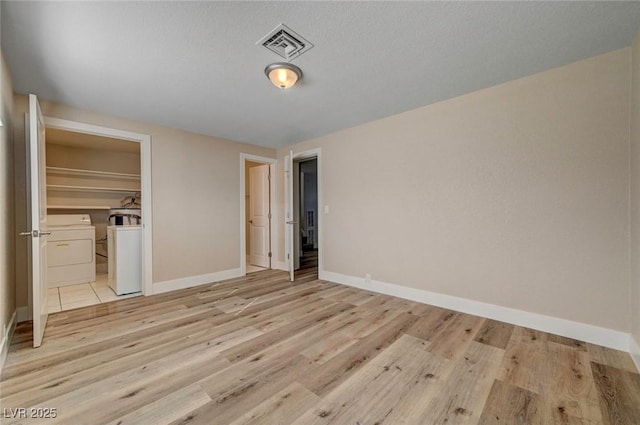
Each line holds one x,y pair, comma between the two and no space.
297,156
145,181
273,227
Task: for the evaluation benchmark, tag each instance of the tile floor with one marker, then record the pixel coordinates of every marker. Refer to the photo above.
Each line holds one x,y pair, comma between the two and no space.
252,269
82,295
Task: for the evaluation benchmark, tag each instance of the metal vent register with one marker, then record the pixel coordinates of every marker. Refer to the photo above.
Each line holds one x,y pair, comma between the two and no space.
285,42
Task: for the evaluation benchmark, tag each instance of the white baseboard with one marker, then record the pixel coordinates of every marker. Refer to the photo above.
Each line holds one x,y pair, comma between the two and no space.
188,282
23,314
635,351
568,328
7,334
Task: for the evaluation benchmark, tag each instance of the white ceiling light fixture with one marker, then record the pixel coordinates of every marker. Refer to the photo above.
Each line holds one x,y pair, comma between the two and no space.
283,75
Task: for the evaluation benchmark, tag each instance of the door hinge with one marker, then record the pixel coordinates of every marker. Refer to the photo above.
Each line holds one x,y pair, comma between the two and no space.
288,256
270,255
269,177
269,216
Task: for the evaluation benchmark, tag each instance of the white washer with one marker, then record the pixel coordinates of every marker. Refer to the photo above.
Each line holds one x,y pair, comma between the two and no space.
71,250
124,246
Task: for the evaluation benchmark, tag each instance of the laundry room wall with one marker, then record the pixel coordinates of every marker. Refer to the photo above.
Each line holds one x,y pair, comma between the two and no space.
93,159
195,188
106,159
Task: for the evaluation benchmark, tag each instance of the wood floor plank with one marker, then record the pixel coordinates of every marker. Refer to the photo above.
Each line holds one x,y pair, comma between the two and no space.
570,342
414,398
462,398
611,357
44,358
166,409
231,400
495,333
619,394
260,349
121,394
430,325
369,396
511,405
283,407
126,355
342,366
247,349
525,361
329,347
454,339
569,386
65,392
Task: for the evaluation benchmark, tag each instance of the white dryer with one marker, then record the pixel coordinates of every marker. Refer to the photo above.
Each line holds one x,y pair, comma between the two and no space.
71,250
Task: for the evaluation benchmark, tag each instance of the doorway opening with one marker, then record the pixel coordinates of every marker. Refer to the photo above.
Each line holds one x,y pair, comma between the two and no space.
257,224
303,203
306,213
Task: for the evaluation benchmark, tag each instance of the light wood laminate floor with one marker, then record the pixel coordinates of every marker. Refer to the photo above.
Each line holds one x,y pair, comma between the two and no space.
262,350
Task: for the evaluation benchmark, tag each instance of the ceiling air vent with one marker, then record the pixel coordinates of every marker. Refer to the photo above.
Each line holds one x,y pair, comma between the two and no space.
285,42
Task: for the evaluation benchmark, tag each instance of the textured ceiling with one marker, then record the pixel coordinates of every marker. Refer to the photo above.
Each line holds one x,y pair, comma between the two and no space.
195,65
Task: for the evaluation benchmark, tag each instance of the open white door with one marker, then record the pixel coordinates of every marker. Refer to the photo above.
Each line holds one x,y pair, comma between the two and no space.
38,233
290,222
259,211
297,220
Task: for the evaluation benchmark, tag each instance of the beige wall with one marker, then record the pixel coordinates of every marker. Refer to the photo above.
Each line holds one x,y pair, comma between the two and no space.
7,229
517,195
195,186
635,191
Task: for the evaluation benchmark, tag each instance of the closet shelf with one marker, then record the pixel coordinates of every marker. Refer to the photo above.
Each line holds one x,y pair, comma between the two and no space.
67,188
78,207
90,173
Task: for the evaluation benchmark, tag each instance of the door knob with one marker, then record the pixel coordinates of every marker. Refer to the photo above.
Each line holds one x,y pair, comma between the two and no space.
251,221
292,222
25,234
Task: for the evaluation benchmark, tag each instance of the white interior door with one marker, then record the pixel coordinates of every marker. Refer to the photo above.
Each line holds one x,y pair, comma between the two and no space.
259,221
289,221
38,233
